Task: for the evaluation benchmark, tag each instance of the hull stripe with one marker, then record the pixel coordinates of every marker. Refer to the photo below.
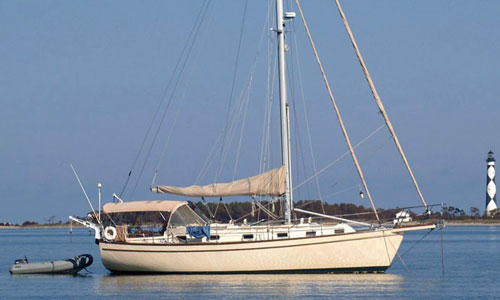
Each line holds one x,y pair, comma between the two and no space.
224,250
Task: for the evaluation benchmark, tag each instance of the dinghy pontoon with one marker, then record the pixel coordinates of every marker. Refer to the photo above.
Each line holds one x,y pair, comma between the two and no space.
64,266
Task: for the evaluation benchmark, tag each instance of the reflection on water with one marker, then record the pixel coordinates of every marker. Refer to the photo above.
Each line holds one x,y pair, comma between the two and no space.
472,261
252,285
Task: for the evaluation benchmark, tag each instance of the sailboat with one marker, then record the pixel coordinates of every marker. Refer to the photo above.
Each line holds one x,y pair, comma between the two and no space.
185,242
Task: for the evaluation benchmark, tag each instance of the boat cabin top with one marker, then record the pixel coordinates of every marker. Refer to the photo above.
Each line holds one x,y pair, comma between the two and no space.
150,217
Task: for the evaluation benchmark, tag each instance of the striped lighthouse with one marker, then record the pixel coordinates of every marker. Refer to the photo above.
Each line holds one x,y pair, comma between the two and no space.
491,188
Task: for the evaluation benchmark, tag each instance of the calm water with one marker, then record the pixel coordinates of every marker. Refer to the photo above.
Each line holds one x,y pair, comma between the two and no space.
472,270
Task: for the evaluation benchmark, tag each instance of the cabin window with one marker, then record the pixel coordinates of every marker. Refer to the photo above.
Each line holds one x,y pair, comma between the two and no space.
139,223
181,237
214,237
339,230
282,235
311,233
247,236
185,216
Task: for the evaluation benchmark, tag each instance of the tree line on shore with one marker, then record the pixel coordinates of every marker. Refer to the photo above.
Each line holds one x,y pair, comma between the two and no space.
224,212
252,212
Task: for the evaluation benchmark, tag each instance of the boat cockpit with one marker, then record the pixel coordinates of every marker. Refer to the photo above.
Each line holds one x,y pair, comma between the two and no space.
174,222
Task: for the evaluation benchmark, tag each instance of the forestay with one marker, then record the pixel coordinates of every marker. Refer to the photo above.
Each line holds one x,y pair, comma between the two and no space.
268,183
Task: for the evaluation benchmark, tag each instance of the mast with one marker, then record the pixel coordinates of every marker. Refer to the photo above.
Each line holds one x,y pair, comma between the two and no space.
285,124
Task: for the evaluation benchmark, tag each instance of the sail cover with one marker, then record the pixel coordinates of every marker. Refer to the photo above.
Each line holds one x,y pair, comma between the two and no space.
134,206
268,183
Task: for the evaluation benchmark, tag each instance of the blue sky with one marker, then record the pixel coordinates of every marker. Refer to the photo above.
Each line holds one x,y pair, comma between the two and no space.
80,82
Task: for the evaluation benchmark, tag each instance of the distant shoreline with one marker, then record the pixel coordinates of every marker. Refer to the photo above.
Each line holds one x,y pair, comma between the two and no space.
455,223
41,226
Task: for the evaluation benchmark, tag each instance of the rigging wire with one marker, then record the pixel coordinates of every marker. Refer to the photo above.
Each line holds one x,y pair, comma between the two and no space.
399,256
291,70
416,242
243,125
442,249
208,161
374,152
337,112
296,129
162,99
268,138
250,82
182,99
232,88
234,116
378,101
231,130
300,152
266,156
271,68
193,41
365,161
340,157
343,191
228,213
294,120
307,118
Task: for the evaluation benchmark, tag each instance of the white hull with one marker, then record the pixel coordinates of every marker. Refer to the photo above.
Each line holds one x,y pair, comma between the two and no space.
361,251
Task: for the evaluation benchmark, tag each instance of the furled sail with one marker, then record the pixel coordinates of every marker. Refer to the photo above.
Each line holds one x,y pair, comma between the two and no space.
268,183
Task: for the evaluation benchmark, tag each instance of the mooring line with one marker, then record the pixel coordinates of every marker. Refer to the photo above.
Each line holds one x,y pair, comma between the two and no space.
414,244
399,256
442,249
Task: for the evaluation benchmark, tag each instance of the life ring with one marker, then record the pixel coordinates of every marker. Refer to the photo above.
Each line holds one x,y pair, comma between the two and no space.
110,233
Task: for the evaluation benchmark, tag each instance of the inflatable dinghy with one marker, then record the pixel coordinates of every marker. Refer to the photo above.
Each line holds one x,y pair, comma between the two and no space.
64,266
